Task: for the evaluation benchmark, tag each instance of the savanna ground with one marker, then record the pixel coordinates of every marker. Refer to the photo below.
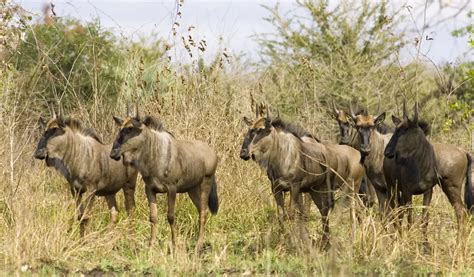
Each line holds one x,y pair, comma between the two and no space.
303,72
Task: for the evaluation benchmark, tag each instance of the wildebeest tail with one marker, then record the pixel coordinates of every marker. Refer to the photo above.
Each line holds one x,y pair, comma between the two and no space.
468,197
213,199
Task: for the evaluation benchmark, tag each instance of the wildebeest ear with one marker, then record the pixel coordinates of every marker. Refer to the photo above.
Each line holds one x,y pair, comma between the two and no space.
247,121
396,120
379,119
136,122
118,121
42,122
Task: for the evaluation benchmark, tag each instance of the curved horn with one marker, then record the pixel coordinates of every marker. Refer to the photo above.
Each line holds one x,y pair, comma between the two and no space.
54,112
405,114
334,107
415,117
137,114
351,110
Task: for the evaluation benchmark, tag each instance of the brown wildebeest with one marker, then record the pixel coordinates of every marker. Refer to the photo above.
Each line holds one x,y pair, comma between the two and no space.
170,166
81,157
278,191
305,166
417,168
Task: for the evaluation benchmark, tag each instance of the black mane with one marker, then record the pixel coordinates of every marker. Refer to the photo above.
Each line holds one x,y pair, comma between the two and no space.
76,125
292,128
425,126
153,123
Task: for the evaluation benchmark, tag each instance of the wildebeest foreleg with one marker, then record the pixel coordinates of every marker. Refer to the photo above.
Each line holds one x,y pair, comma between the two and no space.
129,194
151,196
85,208
112,205
296,203
322,201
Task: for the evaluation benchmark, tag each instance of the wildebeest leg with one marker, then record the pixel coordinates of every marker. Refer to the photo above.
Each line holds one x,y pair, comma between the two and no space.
170,215
280,201
151,196
295,202
424,225
112,205
306,200
85,208
129,194
322,201
205,189
453,192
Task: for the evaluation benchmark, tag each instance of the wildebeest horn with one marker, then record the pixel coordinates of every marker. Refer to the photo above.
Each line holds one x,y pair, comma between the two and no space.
405,114
351,110
257,112
334,107
137,114
415,117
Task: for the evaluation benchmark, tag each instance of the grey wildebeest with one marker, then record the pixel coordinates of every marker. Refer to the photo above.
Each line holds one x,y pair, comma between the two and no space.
170,166
81,157
305,166
278,191
418,167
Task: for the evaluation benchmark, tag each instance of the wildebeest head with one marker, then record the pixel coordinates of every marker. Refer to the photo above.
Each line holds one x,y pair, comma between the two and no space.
128,138
342,119
261,111
262,140
365,125
408,135
52,138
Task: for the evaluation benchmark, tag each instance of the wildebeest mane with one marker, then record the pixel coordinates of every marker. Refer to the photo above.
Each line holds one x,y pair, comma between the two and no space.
76,126
425,126
292,128
155,124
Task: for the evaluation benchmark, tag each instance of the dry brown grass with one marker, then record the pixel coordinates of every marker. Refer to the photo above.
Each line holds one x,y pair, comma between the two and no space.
39,235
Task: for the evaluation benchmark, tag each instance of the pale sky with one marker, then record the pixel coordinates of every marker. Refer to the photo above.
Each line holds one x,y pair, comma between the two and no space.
231,23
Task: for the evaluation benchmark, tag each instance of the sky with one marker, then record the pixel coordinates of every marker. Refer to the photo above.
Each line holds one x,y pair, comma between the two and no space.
232,24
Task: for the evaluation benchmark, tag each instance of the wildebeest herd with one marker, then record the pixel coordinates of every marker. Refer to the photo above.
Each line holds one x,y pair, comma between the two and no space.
393,164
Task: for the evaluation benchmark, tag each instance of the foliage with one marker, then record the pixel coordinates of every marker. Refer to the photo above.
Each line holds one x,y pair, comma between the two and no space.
66,61
346,52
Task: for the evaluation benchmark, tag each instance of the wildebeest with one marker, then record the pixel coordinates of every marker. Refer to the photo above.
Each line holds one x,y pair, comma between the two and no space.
371,144
278,191
81,157
170,166
305,165
418,167
348,135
